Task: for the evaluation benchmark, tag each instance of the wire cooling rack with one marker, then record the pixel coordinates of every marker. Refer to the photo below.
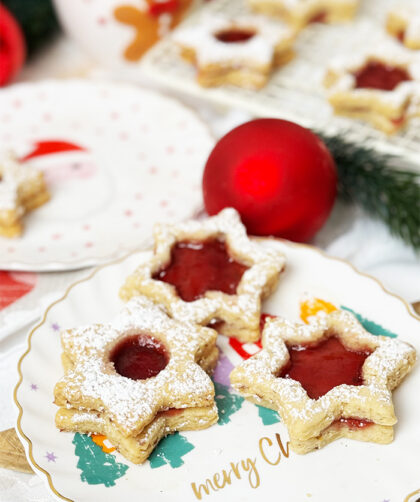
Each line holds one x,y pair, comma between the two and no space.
295,91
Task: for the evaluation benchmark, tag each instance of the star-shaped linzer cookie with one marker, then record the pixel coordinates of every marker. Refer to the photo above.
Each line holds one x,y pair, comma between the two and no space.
137,379
240,51
380,86
209,271
329,379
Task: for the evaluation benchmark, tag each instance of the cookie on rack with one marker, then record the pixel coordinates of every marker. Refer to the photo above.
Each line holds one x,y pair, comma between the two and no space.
403,23
380,87
299,13
329,379
242,51
137,378
22,189
209,271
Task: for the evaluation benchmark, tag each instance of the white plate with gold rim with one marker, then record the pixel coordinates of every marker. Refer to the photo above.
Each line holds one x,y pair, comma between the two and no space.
191,466
116,159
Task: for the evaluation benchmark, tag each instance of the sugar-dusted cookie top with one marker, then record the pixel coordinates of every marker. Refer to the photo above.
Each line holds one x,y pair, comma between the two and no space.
320,373
243,40
253,268
105,376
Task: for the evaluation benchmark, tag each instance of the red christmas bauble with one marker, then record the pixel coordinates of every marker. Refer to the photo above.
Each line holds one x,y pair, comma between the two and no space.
278,175
12,46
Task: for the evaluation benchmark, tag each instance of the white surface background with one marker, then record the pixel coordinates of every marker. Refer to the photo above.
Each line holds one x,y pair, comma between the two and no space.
349,234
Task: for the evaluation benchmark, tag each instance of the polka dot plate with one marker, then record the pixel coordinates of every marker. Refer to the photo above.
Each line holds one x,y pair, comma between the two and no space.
116,159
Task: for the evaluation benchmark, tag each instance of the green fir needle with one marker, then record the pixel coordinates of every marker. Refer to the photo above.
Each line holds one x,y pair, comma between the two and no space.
372,180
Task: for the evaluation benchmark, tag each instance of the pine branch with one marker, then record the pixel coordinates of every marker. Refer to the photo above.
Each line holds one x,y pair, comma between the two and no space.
371,180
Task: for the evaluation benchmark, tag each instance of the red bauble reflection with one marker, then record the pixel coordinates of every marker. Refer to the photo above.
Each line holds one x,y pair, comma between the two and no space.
278,175
12,46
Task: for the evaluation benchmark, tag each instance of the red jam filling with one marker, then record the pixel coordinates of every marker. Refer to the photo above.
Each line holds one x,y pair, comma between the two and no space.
401,35
139,357
171,412
156,9
398,122
376,75
197,267
234,35
322,367
353,423
320,17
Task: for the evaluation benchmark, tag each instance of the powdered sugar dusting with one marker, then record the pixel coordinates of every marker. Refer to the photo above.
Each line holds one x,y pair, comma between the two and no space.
11,167
383,370
131,404
409,12
83,417
260,48
12,175
9,196
17,182
265,264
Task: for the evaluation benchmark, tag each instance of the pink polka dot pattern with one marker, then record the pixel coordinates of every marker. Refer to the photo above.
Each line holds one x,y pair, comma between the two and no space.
133,168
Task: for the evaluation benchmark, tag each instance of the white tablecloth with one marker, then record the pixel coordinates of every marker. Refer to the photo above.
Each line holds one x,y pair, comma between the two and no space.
349,234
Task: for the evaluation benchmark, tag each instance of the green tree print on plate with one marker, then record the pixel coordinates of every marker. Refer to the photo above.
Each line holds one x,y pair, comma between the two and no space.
98,467
170,450
268,416
227,403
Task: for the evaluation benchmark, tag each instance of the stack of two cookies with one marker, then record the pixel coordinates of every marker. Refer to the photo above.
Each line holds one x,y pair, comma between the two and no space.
146,374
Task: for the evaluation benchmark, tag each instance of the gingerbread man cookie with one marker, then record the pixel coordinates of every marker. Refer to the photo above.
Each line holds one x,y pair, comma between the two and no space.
329,379
151,22
137,378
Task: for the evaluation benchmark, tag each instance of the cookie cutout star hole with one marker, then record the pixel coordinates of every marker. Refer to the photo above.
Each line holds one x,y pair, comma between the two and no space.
322,366
200,266
381,76
206,271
